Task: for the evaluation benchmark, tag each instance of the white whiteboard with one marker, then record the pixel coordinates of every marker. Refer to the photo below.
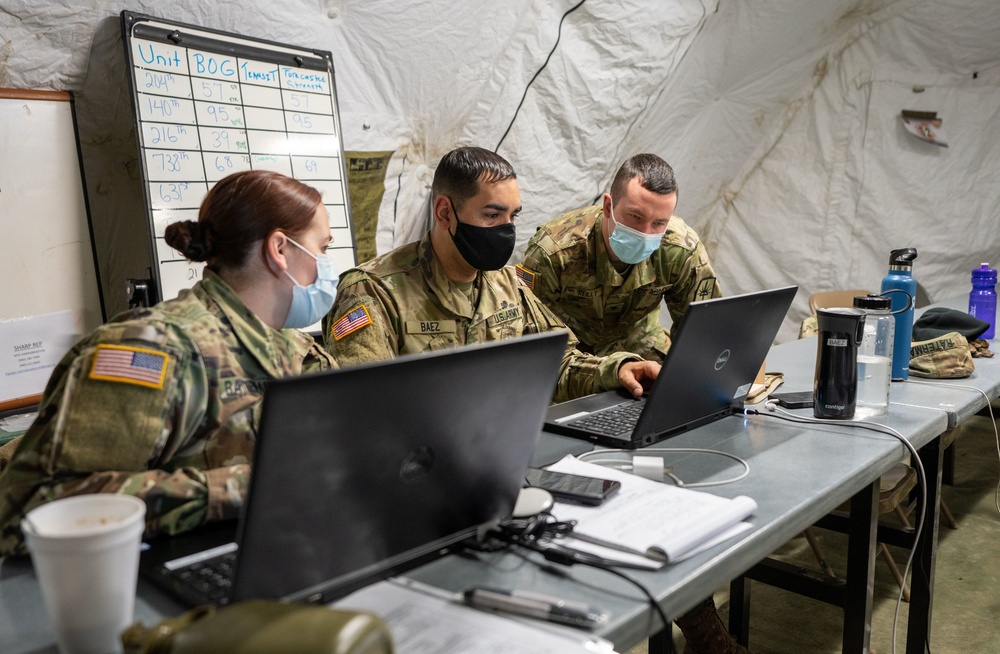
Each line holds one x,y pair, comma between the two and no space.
46,258
209,104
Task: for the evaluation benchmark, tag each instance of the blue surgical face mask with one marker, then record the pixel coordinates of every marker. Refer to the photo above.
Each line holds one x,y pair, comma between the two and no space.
310,303
630,245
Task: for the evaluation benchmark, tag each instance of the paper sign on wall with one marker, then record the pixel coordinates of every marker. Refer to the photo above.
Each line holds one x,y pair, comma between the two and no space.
30,348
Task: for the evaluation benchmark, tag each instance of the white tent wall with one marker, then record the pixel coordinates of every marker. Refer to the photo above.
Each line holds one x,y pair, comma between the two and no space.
837,182
779,116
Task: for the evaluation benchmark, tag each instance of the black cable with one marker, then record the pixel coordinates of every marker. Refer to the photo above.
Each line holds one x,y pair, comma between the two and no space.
528,535
399,187
537,73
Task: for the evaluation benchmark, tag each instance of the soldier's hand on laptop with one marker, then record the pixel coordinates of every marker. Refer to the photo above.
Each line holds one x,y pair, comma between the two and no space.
637,376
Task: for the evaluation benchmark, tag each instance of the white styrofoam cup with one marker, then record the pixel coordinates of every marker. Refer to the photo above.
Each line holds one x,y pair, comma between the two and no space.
85,551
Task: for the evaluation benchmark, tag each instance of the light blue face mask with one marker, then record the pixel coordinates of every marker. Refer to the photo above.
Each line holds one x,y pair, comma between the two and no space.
310,303
630,245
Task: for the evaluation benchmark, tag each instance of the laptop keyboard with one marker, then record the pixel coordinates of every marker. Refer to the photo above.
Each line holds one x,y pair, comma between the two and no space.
619,419
209,581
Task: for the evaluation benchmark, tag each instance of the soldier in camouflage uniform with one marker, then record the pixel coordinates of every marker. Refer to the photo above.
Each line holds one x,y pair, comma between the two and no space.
605,269
452,287
162,403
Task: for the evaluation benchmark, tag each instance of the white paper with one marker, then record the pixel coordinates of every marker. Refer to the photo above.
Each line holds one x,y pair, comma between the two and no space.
30,348
652,518
19,422
424,623
644,561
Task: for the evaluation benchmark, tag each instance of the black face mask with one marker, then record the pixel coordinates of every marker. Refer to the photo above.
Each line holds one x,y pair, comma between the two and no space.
483,248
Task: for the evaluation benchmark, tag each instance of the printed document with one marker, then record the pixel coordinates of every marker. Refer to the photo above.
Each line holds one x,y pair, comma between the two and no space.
426,620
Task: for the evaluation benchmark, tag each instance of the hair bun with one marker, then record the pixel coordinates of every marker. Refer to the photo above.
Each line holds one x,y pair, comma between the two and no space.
190,238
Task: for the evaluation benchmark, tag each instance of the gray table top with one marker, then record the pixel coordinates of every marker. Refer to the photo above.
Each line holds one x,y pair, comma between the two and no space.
798,473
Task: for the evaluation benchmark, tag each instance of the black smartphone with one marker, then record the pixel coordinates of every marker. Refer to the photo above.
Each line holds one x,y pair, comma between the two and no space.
575,489
793,400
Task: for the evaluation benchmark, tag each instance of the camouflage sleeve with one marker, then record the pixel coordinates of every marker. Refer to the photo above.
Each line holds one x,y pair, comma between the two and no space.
363,324
579,373
102,429
696,281
542,278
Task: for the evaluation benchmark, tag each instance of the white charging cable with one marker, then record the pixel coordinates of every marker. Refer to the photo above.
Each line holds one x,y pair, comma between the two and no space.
989,406
918,465
653,467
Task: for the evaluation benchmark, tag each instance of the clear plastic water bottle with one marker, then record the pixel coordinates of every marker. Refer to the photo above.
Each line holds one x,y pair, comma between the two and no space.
874,356
900,278
983,298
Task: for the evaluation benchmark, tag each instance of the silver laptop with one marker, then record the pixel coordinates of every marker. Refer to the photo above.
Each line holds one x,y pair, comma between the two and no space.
368,471
719,346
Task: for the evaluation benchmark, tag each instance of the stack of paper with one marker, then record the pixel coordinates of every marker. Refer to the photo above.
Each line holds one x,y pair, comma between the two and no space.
654,522
426,620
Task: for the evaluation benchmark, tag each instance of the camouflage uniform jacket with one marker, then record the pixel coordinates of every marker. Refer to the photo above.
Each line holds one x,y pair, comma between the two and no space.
567,266
161,403
402,303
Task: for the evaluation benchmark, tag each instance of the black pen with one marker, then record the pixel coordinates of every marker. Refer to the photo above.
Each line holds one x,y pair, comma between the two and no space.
535,605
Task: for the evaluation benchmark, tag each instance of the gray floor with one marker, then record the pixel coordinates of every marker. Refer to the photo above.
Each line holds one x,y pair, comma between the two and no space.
966,584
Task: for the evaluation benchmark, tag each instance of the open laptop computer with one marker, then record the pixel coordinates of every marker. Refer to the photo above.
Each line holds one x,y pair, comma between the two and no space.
368,471
718,348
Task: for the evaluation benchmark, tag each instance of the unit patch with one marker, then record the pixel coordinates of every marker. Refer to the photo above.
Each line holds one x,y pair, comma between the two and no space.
705,289
129,365
354,320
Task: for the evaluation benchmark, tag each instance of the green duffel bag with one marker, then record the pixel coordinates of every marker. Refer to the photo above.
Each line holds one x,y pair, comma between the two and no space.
262,627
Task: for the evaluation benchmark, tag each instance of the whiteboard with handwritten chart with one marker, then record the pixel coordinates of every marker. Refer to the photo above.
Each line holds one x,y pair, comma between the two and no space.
208,104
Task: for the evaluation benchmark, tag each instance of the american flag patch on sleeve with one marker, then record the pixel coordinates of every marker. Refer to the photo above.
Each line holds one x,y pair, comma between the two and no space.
526,276
129,365
354,320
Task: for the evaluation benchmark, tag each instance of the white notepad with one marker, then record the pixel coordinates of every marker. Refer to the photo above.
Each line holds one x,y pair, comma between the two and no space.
653,520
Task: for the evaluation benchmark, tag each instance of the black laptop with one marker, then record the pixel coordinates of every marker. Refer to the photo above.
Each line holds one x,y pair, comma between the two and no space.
719,346
368,471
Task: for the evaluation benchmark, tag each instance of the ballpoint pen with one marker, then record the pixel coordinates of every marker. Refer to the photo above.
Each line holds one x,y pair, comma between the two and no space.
535,605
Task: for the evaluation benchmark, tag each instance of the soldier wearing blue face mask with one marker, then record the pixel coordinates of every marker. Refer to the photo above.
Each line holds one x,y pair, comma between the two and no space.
605,269
162,402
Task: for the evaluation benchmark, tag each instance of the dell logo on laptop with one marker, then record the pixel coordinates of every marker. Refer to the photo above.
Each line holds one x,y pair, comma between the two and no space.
722,359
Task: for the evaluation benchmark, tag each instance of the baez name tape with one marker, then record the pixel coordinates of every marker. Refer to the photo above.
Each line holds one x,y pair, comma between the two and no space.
650,467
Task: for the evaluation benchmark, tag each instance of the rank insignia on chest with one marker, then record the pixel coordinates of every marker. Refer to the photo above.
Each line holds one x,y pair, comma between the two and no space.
351,322
525,276
129,365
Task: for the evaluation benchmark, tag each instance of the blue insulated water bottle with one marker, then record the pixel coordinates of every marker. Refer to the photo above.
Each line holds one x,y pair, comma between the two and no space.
983,298
900,278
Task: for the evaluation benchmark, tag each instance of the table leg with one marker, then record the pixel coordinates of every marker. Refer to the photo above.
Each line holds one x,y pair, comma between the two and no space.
918,629
739,609
860,570
662,642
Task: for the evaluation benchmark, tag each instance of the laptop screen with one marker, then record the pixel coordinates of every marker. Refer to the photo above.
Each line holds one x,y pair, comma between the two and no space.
718,348
363,472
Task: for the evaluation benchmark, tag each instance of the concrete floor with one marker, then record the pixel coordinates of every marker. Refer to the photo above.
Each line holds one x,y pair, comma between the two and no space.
966,583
